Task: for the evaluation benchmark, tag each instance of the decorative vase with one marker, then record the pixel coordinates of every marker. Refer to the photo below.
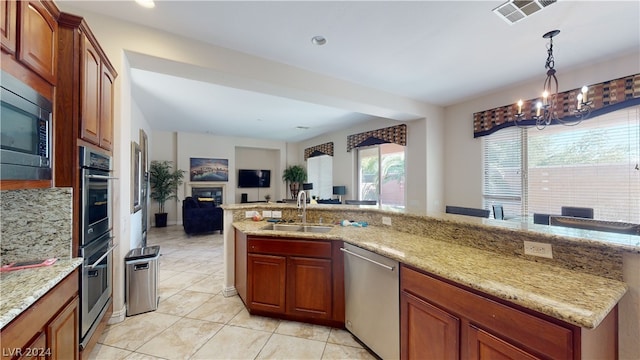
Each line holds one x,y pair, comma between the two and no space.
161,220
294,187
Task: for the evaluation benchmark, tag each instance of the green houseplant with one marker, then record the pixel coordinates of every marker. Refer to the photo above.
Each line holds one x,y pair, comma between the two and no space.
295,175
164,182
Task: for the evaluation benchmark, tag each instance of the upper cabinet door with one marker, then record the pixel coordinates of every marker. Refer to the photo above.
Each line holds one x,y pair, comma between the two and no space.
90,114
38,39
106,109
8,25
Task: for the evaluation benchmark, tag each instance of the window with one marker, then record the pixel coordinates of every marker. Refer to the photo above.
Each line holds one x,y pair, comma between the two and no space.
502,180
381,174
594,164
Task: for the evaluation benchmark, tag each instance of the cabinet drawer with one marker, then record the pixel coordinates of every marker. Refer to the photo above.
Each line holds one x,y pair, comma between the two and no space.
309,248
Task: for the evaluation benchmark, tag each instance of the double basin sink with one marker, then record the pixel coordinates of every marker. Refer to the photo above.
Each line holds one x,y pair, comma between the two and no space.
298,228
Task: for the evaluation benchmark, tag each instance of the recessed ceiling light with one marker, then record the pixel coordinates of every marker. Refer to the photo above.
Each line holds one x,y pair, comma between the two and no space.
318,40
149,4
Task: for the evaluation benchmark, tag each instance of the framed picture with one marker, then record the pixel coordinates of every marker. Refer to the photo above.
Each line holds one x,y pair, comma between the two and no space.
202,169
136,176
144,149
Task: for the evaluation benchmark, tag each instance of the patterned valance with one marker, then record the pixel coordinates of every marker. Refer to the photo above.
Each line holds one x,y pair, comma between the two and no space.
394,134
322,149
607,96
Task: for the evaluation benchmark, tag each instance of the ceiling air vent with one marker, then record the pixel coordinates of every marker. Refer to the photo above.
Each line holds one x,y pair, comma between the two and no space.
513,10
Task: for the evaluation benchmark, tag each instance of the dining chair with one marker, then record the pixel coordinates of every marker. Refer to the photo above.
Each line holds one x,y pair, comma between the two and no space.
498,212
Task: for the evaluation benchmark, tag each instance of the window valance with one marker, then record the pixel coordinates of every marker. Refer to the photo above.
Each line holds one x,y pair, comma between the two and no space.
606,96
393,134
322,149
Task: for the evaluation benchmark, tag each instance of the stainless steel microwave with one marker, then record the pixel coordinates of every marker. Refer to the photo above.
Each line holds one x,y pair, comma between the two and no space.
25,131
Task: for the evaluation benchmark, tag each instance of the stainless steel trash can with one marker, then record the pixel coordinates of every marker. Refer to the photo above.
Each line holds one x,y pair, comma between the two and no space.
141,280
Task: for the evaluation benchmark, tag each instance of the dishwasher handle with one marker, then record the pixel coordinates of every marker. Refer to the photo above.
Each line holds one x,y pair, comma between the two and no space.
390,268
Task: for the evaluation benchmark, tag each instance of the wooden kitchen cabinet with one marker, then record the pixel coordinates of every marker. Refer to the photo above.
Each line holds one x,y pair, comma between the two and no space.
443,320
9,25
421,320
291,278
96,122
107,77
309,287
47,329
63,333
29,32
84,69
38,32
266,289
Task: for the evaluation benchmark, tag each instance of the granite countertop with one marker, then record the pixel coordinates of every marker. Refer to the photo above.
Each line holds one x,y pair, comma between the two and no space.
574,297
21,288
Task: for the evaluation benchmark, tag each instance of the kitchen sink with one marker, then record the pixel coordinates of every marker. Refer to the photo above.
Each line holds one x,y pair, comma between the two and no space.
298,228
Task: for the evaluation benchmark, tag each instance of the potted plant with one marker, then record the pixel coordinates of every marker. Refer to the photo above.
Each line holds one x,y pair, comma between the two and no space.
295,175
164,182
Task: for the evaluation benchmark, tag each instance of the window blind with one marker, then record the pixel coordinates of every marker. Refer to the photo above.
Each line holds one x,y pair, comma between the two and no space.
502,180
593,165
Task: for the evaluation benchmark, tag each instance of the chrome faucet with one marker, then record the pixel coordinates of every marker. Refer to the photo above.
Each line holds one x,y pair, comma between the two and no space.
302,194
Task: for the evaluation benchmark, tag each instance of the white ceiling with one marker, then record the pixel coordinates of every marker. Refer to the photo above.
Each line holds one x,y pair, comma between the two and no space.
436,52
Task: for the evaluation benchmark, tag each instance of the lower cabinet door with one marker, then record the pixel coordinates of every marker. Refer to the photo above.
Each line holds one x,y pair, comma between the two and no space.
483,345
63,333
266,282
36,350
310,287
427,332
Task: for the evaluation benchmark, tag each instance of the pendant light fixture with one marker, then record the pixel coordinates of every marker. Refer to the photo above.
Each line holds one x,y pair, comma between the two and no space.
546,108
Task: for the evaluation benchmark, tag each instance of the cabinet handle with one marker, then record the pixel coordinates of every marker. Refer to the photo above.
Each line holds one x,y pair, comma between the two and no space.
102,257
101,177
390,268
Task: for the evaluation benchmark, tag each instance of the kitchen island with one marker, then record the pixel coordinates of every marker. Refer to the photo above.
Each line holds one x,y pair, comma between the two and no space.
580,286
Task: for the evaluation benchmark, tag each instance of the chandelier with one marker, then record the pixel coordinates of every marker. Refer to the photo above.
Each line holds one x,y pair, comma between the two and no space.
546,107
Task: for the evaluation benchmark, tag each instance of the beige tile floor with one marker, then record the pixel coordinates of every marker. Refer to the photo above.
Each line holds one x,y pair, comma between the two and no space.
195,321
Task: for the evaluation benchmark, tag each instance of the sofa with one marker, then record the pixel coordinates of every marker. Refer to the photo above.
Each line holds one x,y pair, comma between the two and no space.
201,215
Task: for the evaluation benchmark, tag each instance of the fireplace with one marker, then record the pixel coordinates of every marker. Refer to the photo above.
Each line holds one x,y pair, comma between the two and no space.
214,192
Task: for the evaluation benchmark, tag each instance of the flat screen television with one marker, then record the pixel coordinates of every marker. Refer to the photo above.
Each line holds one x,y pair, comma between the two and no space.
254,178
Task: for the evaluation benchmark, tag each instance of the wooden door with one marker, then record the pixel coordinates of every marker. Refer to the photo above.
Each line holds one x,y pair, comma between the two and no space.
90,92
106,109
38,39
309,287
427,332
483,345
63,333
266,282
36,350
8,25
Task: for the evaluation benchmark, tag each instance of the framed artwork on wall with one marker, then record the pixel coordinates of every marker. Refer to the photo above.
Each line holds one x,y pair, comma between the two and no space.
203,169
144,149
136,176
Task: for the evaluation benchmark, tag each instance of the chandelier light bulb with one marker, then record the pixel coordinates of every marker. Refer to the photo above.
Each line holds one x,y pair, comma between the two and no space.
584,93
538,108
580,97
520,106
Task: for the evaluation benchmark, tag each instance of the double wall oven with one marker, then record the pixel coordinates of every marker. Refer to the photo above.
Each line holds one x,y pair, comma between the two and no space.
96,241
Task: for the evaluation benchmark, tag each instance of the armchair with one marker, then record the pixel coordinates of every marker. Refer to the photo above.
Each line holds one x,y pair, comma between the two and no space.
199,216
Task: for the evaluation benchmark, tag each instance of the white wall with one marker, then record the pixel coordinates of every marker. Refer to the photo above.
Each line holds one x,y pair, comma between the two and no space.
463,168
138,122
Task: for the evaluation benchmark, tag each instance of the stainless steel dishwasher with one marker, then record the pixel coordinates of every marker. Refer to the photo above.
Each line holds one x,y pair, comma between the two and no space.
372,312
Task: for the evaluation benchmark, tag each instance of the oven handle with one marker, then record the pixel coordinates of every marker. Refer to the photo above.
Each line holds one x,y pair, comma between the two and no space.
102,257
102,177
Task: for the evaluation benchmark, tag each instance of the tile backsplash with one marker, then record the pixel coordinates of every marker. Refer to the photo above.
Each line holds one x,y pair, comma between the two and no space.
35,224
